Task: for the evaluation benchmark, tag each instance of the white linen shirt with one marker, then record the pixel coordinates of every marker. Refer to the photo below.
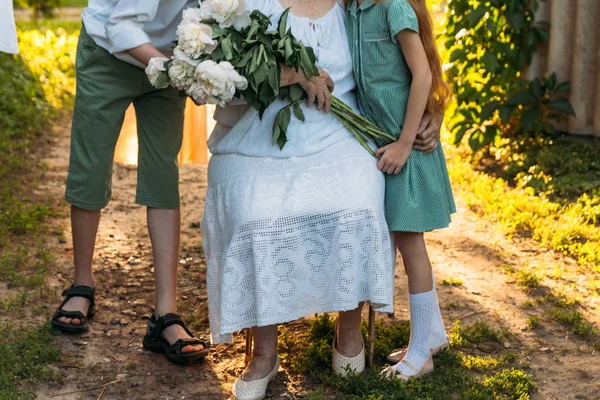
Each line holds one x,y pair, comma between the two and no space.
121,25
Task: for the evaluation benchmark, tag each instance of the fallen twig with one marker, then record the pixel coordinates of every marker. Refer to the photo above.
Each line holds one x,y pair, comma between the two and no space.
87,390
101,393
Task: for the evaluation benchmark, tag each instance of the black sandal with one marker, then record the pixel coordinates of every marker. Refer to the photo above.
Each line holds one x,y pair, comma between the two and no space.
75,291
155,342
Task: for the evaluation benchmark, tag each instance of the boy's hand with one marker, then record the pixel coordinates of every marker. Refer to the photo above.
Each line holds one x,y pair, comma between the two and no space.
428,136
393,157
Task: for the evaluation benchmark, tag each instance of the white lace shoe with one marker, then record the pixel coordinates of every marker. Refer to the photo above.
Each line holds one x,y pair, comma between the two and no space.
340,362
397,355
254,390
392,372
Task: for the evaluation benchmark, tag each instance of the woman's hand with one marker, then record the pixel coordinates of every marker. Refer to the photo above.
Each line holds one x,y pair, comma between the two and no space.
318,88
393,157
428,136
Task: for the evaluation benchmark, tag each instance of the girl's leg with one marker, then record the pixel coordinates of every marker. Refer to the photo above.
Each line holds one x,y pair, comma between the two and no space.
349,336
421,297
264,353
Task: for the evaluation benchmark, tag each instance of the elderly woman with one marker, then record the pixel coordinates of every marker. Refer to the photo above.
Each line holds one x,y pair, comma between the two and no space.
298,231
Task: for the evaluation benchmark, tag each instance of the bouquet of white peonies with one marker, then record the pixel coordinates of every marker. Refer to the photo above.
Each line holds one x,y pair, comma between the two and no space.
224,52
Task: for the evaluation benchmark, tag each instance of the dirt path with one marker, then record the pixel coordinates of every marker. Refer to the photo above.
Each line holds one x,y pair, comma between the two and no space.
563,366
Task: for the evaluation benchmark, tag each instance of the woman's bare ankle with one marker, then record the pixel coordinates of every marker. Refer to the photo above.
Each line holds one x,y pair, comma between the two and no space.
259,367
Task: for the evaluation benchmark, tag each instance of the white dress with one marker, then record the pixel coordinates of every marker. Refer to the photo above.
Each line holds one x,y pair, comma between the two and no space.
300,231
8,33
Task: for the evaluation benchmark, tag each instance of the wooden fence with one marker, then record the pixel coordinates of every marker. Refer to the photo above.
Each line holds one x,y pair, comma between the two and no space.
574,54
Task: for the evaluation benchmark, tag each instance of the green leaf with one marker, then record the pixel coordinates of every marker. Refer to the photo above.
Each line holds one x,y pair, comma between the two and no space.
490,61
307,65
522,97
562,105
488,110
529,119
458,54
536,90
273,78
284,116
261,74
563,87
459,133
296,92
551,81
298,112
276,132
227,47
491,133
477,141
162,80
543,35
506,112
283,21
477,14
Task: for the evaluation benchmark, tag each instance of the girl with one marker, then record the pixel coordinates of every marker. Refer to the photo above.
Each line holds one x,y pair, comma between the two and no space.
399,77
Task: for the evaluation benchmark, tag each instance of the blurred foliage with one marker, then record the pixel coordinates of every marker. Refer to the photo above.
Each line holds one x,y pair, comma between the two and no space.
36,85
41,8
50,56
55,25
491,43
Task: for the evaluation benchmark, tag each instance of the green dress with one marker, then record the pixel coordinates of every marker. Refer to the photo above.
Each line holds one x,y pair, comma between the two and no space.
419,198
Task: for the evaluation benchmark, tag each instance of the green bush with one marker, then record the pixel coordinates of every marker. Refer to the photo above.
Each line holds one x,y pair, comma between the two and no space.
37,84
41,8
490,43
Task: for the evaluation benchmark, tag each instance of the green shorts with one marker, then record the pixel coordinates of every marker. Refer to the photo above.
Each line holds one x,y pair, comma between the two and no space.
106,87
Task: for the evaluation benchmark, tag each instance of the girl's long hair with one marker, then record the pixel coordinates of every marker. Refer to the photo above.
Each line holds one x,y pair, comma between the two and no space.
440,90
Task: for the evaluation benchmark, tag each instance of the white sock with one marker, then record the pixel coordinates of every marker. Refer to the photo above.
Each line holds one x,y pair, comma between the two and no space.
422,307
438,335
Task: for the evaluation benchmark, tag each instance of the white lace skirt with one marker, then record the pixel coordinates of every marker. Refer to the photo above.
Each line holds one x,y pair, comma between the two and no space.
285,238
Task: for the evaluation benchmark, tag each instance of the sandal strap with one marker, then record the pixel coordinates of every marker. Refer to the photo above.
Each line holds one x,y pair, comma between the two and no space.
177,347
167,320
69,314
80,291
409,365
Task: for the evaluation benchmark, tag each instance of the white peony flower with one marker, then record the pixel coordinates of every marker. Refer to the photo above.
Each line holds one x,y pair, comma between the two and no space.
181,74
157,73
216,83
192,15
226,12
195,39
179,54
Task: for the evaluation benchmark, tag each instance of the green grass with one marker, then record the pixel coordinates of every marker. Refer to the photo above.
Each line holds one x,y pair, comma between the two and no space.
25,354
73,3
457,375
574,321
528,280
533,322
450,281
479,332
547,189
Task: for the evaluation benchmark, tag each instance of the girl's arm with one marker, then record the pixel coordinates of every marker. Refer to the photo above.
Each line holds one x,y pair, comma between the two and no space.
395,155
